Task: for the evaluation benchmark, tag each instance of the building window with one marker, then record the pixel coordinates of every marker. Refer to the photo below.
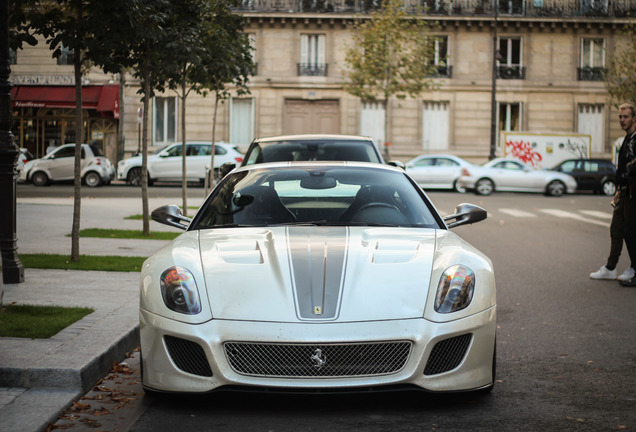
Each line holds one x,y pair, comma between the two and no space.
592,67
435,126
594,7
165,120
509,117
509,59
372,122
591,122
312,55
511,7
441,57
66,56
241,121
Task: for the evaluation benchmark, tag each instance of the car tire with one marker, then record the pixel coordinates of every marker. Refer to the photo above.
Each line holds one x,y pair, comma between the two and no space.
484,187
457,187
40,179
134,176
555,188
92,179
608,188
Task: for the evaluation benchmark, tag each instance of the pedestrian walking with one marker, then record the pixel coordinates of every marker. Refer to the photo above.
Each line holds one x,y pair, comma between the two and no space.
625,175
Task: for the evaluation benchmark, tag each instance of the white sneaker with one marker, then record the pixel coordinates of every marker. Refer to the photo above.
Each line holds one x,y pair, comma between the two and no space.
627,274
603,273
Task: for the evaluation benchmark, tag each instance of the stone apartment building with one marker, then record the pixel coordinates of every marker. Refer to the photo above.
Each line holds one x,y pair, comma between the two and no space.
551,60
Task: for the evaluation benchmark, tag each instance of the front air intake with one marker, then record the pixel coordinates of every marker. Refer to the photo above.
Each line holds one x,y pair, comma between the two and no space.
188,356
447,354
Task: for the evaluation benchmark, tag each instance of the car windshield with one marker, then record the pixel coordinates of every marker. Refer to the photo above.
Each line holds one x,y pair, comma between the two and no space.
321,195
313,150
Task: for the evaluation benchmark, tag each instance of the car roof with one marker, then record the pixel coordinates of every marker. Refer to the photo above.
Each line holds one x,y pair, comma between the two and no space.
300,137
315,164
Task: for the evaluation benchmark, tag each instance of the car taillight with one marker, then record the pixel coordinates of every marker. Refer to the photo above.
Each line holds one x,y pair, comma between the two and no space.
238,159
465,172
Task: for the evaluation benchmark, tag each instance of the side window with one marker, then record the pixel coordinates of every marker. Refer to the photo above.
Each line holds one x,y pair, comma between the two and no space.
65,152
219,151
567,166
174,151
424,162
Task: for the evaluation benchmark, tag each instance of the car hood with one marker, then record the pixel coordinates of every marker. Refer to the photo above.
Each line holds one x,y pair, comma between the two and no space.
293,274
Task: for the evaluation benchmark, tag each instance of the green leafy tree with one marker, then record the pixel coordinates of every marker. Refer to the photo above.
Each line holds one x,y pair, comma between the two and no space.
621,74
390,56
227,64
87,28
183,52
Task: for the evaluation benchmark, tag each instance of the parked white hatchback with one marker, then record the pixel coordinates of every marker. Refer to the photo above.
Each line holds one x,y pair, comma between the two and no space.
505,174
166,163
59,165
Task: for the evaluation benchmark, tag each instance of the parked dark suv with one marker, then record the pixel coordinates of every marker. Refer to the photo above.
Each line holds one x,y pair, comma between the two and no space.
311,147
597,175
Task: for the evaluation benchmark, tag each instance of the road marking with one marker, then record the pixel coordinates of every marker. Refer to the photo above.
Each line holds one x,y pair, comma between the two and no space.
517,213
596,213
568,215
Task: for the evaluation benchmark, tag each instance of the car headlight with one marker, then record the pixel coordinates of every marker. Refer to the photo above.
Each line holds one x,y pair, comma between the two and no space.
455,289
179,291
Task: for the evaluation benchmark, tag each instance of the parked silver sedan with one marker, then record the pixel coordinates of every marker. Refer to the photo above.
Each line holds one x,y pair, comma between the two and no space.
437,171
503,174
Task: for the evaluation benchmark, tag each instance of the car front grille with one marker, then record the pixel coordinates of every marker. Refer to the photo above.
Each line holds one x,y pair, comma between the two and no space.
317,360
188,356
447,354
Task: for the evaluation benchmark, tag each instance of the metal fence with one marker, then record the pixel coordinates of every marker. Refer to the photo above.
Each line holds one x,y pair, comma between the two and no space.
529,8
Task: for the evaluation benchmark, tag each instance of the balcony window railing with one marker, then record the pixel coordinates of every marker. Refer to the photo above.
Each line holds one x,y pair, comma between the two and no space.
531,8
511,72
591,73
443,71
307,69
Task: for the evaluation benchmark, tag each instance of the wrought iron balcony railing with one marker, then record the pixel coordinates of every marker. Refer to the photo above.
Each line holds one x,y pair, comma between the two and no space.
308,69
443,71
511,72
591,74
529,8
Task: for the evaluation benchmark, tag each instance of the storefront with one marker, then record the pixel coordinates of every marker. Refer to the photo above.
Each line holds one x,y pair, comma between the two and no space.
44,117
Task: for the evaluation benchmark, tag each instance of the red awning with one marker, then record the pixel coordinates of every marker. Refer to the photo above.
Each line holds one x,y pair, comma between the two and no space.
104,99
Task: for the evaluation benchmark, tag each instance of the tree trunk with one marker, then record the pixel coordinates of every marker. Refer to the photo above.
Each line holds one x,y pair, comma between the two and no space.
216,109
184,148
79,139
144,152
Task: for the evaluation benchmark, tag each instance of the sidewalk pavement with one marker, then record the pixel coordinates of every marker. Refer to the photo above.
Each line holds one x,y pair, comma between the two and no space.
40,378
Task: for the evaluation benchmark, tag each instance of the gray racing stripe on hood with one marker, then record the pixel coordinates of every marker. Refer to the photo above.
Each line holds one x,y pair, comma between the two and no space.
317,258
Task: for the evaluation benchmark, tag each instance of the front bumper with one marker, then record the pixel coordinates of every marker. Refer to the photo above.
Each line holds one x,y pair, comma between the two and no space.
161,373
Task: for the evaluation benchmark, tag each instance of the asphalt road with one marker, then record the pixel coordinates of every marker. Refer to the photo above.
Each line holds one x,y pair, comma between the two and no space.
566,351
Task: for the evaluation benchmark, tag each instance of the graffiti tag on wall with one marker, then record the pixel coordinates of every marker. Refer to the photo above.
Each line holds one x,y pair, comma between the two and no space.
524,151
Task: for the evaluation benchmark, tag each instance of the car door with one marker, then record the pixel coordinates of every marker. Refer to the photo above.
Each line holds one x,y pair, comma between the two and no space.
444,172
421,171
61,163
511,175
197,160
167,164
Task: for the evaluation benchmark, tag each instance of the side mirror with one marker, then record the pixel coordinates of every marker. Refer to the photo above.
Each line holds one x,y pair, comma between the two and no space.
170,215
466,214
225,168
396,163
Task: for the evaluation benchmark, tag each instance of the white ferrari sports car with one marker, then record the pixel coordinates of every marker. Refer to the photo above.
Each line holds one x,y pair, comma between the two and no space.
328,276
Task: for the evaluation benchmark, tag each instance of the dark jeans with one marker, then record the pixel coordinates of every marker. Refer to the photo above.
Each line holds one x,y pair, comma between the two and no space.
617,231
630,227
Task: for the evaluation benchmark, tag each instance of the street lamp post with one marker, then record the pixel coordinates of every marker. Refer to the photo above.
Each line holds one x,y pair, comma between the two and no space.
12,269
493,92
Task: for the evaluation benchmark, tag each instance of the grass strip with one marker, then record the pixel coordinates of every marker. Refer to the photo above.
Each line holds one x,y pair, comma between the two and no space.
38,322
126,234
86,262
